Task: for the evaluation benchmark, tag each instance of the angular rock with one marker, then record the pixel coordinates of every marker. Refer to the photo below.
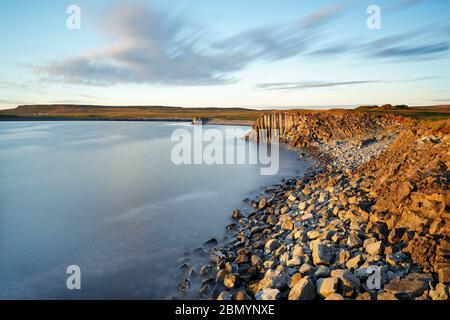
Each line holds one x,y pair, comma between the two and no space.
305,289
322,255
271,245
444,275
440,292
268,294
275,279
374,248
236,214
349,283
225,295
322,272
335,296
262,203
406,289
230,281
327,286
386,296
355,262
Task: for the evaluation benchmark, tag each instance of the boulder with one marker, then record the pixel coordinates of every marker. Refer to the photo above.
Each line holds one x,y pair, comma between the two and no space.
335,296
322,272
225,295
444,275
305,289
440,292
275,279
268,294
354,262
236,214
374,248
386,296
271,245
322,255
230,281
406,289
327,286
262,203
349,283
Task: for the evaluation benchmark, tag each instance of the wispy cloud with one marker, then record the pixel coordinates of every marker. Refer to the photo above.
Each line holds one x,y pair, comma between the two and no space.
287,86
151,47
155,48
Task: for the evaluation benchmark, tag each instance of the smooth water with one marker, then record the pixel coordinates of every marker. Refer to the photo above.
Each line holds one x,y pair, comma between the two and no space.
105,196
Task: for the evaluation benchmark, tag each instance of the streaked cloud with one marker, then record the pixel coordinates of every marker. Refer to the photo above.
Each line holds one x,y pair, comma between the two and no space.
152,47
327,84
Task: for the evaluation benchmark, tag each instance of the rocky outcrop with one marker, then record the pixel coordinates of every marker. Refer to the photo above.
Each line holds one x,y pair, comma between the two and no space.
304,129
369,221
410,190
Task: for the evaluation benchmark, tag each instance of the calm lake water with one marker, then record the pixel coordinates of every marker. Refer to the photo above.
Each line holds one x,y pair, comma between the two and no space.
105,196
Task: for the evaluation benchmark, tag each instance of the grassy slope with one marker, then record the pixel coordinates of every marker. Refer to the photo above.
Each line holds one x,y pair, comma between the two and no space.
224,114
104,112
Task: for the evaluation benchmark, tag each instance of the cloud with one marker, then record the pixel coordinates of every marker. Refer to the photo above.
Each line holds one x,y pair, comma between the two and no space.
151,47
327,84
308,84
155,48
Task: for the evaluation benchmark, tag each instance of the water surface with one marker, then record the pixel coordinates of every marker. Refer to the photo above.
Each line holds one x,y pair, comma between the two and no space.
106,197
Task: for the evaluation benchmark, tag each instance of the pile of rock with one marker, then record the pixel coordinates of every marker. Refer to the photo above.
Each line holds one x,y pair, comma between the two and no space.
365,223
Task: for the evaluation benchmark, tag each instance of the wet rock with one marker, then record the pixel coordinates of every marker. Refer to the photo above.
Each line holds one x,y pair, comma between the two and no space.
236,214
305,289
184,285
225,295
204,270
230,281
268,294
262,203
211,242
242,296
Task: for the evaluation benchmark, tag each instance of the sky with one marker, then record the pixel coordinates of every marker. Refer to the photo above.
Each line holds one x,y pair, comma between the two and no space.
225,53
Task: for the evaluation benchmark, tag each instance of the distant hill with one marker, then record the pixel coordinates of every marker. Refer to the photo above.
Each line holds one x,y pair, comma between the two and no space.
384,107
93,112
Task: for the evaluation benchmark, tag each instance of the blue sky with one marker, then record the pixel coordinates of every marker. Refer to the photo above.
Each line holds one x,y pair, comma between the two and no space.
261,54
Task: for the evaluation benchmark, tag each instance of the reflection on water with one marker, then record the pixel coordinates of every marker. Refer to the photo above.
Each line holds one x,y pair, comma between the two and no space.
105,196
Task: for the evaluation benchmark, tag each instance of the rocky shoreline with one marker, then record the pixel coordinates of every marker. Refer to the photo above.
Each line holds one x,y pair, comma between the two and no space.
369,221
